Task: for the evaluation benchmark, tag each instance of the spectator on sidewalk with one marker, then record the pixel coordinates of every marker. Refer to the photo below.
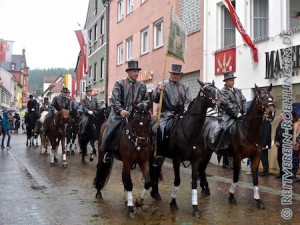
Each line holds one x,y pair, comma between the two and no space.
5,131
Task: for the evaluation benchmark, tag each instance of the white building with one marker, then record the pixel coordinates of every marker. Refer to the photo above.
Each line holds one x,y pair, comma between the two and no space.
265,21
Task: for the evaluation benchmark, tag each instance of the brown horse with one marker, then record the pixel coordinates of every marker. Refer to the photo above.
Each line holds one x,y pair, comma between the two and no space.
246,142
57,133
134,148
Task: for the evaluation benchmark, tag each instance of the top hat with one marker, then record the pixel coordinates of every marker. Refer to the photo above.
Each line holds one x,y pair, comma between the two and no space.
176,69
64,90
228,75
88,88
133,65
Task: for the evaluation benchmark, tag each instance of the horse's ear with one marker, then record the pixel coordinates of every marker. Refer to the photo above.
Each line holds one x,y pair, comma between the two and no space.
257,88
201,83
213,83
270,87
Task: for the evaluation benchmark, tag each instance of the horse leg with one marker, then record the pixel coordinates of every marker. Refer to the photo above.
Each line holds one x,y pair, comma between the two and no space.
255,163
72,143
176,167
126,178
64,155
155,173
202,175
94,151
146,172
236,174
196,212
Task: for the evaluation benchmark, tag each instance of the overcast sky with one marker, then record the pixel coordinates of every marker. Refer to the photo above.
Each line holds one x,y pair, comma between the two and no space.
45,28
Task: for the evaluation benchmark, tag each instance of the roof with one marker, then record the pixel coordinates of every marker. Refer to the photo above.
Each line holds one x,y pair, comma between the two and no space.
17,60
49,79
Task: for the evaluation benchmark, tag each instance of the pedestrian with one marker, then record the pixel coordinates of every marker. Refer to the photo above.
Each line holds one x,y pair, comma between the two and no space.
176,99
90,106
278,143
45,107
17,122
125,92
5,131
266,134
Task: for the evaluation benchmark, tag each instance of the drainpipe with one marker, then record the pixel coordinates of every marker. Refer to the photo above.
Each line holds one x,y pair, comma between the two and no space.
106,5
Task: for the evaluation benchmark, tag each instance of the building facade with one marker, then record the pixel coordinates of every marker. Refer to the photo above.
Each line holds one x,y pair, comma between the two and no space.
273,26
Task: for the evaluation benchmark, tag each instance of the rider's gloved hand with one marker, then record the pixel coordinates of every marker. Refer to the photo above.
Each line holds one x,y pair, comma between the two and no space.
90,112
32,110
239,115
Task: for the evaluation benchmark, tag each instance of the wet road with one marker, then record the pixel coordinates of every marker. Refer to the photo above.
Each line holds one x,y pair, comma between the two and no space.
33,192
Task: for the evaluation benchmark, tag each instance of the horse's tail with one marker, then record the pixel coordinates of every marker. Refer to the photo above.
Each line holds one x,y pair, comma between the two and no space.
102,174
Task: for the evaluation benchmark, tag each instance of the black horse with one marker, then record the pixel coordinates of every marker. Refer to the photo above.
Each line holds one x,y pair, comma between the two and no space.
71,134
185,142
245,141
30,120
134,148
91,134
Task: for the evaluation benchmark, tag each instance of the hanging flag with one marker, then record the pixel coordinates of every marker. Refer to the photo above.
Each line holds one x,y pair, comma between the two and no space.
83,47
237,23
6,50
177,38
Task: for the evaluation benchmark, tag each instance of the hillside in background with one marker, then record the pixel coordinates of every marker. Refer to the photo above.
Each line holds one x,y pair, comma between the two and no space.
36,77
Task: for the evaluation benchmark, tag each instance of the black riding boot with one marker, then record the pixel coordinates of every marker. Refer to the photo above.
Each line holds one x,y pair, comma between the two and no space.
159,159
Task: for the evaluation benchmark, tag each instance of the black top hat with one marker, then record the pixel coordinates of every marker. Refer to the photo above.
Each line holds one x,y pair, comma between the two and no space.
133,65
64,89
88,88
228,75
176,69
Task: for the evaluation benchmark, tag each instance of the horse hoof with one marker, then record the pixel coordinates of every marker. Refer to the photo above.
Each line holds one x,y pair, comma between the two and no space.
68,152
139,202
259,204
65,165
52,163
232,199
205,192
196,212
83,161
98,195
91,159
56,160
130,212
173,205
156,196
72,152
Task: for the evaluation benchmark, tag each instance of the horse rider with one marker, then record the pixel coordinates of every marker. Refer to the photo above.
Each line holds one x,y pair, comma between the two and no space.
59,102
176,99
125,92
32,105
233,110
90,106
44,107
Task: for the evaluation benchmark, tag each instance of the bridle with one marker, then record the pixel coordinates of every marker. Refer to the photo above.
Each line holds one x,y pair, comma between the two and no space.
138,141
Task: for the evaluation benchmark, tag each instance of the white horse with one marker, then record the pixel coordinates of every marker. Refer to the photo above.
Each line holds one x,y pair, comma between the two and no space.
44,139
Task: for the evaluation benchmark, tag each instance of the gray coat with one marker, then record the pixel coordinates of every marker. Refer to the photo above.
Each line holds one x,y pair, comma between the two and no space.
122,99
176,97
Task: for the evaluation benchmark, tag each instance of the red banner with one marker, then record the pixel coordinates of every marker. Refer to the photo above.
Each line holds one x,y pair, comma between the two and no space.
237,23
5,50
83,48
225,61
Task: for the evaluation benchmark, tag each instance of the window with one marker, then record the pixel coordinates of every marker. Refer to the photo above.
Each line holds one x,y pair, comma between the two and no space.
120,54
129,47
158,34
83,85
95,32
102,27
145,41
120,10
90,74
96,7
260,18
228,28
294,14
95,72
129,6
102,69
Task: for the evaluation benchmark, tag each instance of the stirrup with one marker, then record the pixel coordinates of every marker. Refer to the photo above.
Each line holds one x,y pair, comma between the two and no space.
107,158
